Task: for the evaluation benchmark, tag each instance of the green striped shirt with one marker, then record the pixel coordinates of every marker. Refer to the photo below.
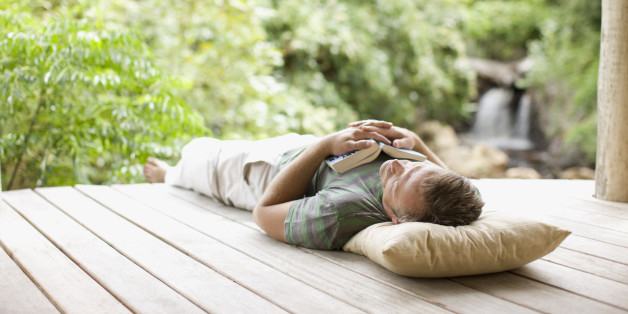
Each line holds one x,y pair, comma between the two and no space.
336,206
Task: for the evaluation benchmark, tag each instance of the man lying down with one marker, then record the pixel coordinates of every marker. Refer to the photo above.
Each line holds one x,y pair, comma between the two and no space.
296,198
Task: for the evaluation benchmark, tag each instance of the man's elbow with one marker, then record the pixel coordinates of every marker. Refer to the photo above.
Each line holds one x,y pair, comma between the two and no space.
260,219
269,219
257,217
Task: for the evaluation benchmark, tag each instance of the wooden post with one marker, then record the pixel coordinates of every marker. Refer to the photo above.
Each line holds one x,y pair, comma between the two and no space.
611,174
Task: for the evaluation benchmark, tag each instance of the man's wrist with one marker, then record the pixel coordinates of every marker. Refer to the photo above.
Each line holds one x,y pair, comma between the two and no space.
325,145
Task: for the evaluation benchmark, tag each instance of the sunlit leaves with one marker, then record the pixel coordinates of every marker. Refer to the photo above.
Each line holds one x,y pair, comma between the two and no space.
392,60
565,72
82,102
221,50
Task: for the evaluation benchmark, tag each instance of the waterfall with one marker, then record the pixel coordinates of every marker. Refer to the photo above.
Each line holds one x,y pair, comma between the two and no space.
493,117
495,124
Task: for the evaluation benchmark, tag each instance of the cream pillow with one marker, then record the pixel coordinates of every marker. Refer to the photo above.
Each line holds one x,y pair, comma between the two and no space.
495,242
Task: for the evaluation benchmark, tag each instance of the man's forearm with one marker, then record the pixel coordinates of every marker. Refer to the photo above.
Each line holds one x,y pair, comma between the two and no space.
422,148
290,184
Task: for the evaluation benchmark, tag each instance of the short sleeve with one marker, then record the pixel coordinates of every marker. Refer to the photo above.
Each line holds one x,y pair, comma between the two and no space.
312,222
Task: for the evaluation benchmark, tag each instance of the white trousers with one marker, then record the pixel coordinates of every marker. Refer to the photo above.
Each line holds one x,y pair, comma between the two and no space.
235,173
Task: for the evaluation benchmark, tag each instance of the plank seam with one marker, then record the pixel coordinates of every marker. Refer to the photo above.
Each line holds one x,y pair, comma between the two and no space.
191,255
596,256
66,253
329,260
494,295
568,291
22,267
471,287
420,297
584,271
591,254
114,248
243,252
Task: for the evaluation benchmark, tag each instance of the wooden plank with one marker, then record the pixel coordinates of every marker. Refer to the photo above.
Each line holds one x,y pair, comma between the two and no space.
535,295
598,234
235,265
517,201
65,284
319,273
452,295
572,197
590,264
242,216
133,286
511,280
598,249
198,283
574,210
570,193
591,286
594,206
580,211
18,294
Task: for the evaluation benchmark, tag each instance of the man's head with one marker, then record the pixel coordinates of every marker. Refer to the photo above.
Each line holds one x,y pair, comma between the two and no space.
420,191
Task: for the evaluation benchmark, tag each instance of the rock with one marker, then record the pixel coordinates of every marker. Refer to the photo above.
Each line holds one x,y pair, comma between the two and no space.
439,137
577,173
522,173
501,73
480,161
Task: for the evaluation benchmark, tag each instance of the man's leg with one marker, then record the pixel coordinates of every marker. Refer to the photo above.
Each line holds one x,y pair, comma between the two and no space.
232,172
194,168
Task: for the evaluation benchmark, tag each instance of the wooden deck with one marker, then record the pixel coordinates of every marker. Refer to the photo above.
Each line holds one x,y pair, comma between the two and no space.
153,248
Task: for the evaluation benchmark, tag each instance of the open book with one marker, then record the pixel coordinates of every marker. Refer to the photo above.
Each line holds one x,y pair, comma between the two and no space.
359,157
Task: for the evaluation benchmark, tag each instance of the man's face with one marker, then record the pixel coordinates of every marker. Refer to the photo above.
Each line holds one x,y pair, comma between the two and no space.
402,181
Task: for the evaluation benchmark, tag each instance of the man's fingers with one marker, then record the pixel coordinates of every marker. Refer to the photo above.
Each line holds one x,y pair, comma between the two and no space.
373,133
380,138
352,145
387,132
362,144
402,143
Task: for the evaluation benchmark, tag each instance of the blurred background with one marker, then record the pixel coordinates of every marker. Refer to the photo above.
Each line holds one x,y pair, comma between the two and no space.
90,89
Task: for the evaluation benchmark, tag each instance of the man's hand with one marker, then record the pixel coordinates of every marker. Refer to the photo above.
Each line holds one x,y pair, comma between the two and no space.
400,137
371,122
351,139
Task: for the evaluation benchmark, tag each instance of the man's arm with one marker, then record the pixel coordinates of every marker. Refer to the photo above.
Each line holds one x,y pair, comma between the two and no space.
400,138
291,183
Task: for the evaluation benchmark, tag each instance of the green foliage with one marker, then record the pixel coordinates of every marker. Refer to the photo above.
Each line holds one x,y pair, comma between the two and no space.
222,49
566,65
89,89
501,30
263,69
82,102
392,60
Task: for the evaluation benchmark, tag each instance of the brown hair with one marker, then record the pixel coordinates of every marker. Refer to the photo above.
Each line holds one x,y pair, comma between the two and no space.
451,200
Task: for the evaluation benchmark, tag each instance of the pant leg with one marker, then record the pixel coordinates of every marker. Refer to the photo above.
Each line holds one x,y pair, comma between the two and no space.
235,173
193,169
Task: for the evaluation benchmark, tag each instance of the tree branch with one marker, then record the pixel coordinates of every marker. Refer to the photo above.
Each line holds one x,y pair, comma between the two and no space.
25,144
